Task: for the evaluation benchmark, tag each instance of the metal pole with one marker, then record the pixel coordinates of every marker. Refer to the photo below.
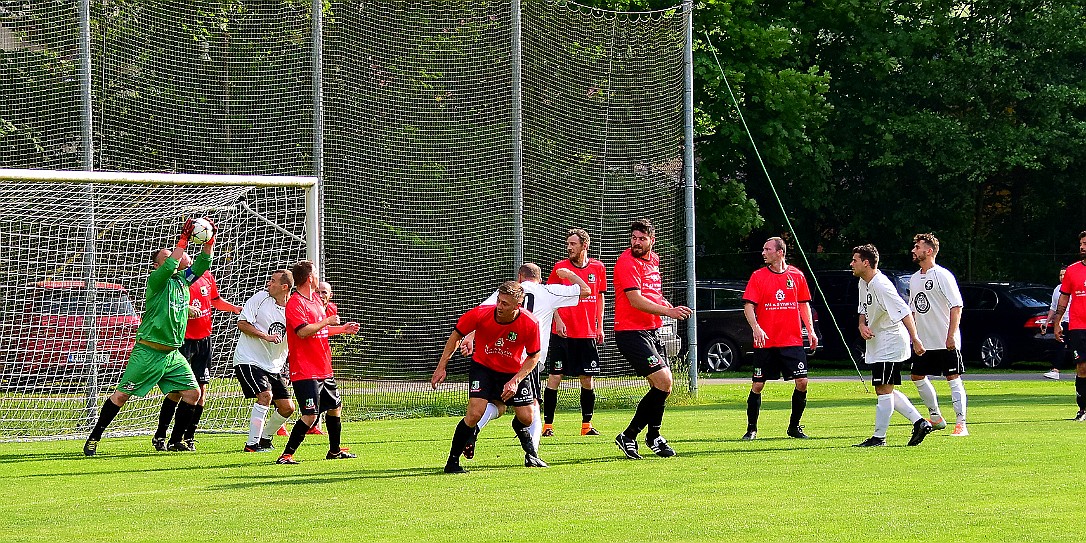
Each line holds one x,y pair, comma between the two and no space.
85,85
518,145
90,319
688,172
313,196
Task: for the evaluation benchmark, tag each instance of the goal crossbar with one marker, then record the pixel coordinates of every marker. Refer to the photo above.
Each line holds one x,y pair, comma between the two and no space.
145,178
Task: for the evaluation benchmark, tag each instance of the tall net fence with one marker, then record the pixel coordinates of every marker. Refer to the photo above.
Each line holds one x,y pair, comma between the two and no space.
418,190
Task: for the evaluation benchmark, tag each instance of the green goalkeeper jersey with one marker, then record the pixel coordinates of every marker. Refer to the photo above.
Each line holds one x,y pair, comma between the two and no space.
166,310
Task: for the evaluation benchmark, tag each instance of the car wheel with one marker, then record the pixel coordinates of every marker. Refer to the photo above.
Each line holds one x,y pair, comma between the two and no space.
722,355
994,352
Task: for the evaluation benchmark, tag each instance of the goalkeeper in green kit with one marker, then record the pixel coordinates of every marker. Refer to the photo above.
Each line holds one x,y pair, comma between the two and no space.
155,359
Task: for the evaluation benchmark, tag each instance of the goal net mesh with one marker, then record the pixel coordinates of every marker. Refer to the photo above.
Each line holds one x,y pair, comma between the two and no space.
418,180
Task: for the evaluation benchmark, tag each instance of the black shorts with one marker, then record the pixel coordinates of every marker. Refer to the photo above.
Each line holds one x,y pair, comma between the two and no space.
573,356
489,384
198,353
1076,341
643,350
255,380
886,373
316,396
534,380
938,362
774,363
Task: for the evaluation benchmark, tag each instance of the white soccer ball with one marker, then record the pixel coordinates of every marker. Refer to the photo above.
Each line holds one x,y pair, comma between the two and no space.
201,231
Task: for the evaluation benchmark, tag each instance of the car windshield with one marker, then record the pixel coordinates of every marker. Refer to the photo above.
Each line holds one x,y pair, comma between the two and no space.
1032,296
109,302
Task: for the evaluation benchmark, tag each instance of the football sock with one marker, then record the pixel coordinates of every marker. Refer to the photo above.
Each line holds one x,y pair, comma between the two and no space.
799,403
256,423
461,435
297,435
197,412
165,415
905,407
656,416
883,411
641,416
524,436
105,416
182,421
957,396
334,427
491,412
550,403
536,427
927,394
1080,392
588,404
275,420
754,406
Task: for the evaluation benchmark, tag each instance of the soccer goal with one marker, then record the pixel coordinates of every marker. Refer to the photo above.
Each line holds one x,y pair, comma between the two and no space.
76,253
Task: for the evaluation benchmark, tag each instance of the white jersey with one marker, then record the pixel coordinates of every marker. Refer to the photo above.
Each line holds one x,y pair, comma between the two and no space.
932,295
543,301
884,309
265,315
1056,304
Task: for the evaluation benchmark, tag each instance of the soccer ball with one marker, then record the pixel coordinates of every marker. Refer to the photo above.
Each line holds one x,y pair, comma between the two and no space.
201,231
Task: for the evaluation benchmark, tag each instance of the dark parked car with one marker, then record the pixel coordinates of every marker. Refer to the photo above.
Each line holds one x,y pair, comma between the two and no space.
1001,322
842,292
724,337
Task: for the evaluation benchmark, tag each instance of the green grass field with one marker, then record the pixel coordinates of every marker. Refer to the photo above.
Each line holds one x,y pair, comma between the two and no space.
1018,477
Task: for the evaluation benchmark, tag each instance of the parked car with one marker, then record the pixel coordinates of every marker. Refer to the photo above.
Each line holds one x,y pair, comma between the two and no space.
841,289
48,336
1001,322
725,339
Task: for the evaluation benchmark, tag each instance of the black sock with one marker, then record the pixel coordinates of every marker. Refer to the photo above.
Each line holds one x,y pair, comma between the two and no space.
799,403
165,415
645,413
182,421
524,435
297,435
550,403
1080,392
460,438
656,416
588,404
754,406
105,416
334,427
197,412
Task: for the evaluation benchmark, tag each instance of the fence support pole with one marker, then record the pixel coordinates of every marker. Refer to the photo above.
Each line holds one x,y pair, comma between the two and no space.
688,174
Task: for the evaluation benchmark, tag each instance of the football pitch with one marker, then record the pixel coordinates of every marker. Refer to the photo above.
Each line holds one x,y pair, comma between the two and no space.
1018,477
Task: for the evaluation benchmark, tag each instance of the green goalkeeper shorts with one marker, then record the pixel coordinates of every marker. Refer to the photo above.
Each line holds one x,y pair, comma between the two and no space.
148,367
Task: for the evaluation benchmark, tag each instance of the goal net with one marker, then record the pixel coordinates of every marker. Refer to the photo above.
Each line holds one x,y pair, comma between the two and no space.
74,261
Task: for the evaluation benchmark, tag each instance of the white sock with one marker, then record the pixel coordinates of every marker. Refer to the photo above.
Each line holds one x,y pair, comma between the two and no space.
275,421
256,422
536,427
957,395
883,411
489,414
927,394
905,407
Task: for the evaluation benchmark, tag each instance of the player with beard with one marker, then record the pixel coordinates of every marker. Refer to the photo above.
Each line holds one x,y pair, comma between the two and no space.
260,356
1073,289
775,301
506,351
936,304
578,331
887,325
639,303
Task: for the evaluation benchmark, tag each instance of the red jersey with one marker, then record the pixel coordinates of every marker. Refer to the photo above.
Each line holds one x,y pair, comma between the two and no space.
1074,285
581,320
633,273
500,347
311,357
201,292
776,298
330,309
